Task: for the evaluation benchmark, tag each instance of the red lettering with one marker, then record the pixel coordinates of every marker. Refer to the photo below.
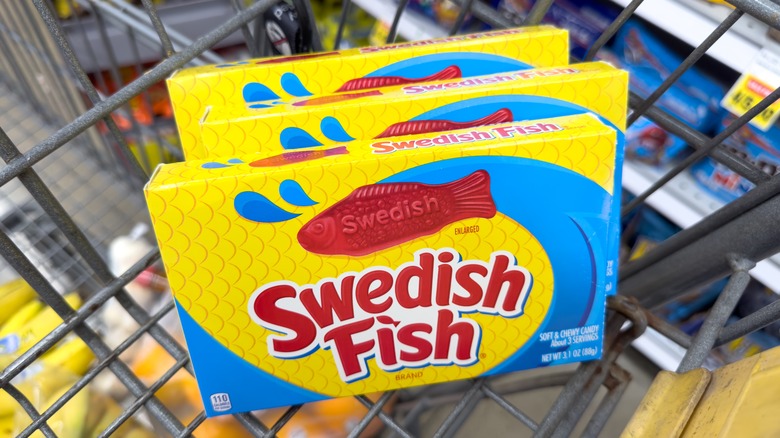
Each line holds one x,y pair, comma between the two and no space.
446,329
444,279
407,337
365,294
424,275
514,280
474,290
330,302
266,309
386,339
346,351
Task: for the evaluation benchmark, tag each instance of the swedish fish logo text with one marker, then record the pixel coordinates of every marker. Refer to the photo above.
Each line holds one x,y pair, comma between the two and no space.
408,317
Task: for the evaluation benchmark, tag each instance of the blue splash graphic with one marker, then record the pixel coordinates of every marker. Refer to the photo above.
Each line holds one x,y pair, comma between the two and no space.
293,193
258,208
254,92
213,165
334,131
259,105
296,138
224,65
293,85
235,161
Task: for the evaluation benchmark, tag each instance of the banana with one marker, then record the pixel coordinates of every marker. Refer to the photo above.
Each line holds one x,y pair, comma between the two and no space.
72,355
69,420
7,426
107,410
22,316
44,322
13,296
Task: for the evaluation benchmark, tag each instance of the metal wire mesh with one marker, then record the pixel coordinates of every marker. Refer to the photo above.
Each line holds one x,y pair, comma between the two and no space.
72,177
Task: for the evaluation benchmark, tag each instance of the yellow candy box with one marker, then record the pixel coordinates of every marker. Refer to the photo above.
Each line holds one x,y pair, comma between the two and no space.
237,84
417,108
389,263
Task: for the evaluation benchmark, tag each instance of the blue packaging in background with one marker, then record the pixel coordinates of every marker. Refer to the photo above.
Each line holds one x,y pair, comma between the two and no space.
584,19
760,148
694,98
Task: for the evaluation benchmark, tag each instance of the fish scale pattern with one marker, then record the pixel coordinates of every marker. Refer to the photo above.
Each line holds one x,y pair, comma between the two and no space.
194,90
235,130
216,259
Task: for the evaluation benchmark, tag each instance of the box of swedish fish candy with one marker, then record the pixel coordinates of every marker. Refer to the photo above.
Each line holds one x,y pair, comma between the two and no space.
389,263
417,108
272,79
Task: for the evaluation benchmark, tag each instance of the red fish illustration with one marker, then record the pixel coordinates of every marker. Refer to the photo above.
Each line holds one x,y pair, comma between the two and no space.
504,115
451,72
297,157
324,100
295,58
379,216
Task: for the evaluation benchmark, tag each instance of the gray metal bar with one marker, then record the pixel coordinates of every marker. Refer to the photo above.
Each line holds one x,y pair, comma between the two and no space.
663,327
27,270
159,27
122,12
753,235
537,12
612,29
687,63
94,371
287,416
197,421
346,6
373,411
28,407
701,153
755,321
129,411
724,306
487,14
697,140
55,28
389,422
764,10
472,395
582,387
465,8
517,413
101,110
617,383
714,221
56,335
117,78
392,33
251,44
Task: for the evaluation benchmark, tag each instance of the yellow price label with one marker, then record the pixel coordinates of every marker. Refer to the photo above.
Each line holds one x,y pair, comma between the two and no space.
757,82
745,94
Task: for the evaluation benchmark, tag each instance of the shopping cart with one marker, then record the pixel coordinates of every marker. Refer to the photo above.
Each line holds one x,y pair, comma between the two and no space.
72,181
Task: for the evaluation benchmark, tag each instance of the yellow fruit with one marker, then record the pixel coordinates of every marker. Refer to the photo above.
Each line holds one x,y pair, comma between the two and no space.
69,420
7,426
38,386
139,432
43,323
72,355
22,316
103,410
13,297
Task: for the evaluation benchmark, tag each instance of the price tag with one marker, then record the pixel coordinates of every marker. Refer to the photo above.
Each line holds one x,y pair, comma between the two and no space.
758,81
